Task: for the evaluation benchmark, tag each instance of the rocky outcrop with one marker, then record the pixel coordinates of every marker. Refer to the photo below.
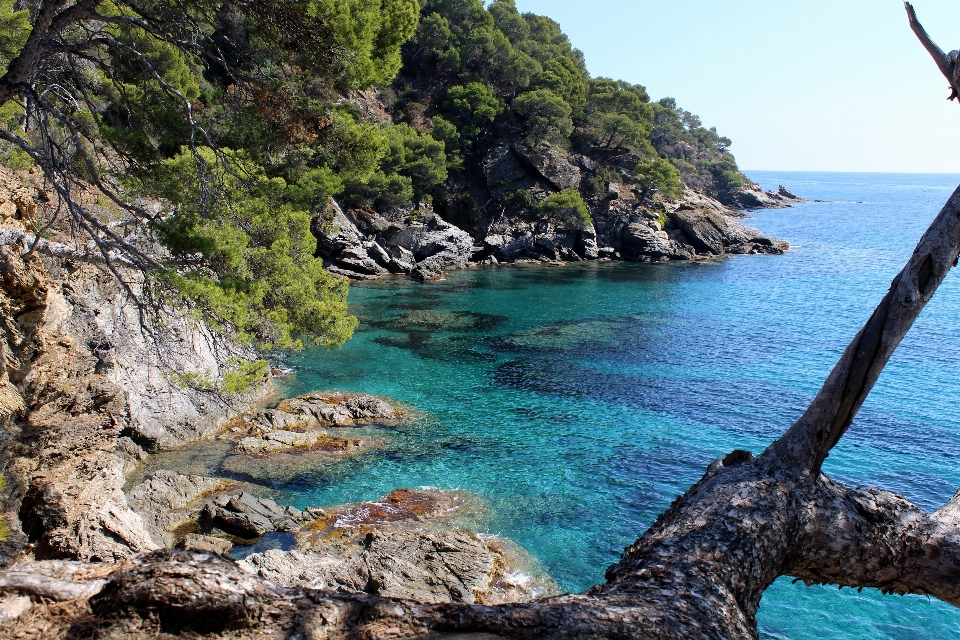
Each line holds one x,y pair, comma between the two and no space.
165,498
714,233
436,246
309,440
752,196
454,566
551,164
648,243
248,517
77,510
507,225
422,245
301,423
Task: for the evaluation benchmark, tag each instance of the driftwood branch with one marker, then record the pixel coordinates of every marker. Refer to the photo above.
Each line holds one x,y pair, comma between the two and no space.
36,584
947,63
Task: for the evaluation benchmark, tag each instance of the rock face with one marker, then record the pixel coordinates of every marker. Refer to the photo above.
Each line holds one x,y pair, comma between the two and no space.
86,389
645,243
77,510
435,245
551,164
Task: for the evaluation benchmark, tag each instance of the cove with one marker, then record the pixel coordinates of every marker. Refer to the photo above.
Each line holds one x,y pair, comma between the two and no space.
576,402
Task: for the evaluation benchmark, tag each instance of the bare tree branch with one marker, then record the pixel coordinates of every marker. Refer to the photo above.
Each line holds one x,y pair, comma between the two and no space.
807,443
946,64
43,586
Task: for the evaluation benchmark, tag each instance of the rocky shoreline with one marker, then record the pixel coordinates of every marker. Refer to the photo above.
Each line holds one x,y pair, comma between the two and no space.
626,224
93,393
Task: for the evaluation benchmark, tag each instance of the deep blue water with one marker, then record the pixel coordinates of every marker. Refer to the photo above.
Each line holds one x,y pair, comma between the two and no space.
577,402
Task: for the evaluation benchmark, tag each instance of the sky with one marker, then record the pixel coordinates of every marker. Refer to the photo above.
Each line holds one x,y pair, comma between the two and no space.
798,85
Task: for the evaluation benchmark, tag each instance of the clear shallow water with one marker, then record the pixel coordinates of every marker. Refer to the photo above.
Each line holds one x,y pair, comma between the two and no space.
577,402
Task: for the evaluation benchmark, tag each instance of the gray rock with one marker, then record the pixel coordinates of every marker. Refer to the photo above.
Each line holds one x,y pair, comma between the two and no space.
163,500
427,567
586,244
640,242
552,164
247,516
196,542
784,192
242,525
369,407
712,232
293,568
505,172
431,236
402,260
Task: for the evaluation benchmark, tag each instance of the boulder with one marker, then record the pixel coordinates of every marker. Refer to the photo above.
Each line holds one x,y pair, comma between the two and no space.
552,164
712,232
247,516
641,242
197,542
162,500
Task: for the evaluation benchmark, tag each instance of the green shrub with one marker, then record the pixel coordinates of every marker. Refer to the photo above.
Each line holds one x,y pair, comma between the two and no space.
243,375
566,208
659,174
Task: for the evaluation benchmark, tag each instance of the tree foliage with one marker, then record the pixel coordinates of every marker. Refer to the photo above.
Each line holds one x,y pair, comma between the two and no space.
229,115
566,208
498,73
544,115
659,174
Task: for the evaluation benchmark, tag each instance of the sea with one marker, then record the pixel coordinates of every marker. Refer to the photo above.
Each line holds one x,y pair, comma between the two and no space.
577,402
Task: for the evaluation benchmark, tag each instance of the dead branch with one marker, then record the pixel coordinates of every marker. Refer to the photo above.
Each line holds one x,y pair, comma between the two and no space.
946,63
36,584
809,440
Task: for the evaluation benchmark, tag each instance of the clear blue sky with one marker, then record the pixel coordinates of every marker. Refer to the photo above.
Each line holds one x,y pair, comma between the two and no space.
806,85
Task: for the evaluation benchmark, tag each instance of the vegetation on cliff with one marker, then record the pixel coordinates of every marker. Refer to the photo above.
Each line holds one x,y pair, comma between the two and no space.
243,118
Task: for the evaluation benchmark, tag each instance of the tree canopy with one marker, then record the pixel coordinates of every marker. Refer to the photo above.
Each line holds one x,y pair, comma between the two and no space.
230,115
238,118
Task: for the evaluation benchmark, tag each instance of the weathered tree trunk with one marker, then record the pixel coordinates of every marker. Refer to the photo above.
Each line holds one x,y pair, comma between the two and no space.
698,572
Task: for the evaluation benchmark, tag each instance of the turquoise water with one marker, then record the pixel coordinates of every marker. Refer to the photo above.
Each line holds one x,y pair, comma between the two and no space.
578,401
